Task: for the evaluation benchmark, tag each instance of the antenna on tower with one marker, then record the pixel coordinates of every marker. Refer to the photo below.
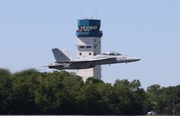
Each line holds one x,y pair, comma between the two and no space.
83,13
96,13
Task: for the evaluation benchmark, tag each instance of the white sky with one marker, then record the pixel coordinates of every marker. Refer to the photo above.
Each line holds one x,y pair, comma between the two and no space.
147,29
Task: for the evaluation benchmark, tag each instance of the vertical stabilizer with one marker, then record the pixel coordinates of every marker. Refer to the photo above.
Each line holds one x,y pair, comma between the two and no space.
68,54
60,56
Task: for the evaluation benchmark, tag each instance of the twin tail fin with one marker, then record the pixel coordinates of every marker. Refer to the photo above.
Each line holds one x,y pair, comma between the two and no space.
62,55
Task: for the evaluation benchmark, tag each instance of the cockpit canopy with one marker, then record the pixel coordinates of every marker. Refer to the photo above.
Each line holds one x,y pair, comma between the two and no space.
111,53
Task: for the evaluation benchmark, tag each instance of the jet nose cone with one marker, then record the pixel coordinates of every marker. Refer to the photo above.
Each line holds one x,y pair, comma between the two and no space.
135,59
138,59
132,59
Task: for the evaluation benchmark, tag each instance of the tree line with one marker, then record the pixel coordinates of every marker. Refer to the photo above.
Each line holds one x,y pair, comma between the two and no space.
61,92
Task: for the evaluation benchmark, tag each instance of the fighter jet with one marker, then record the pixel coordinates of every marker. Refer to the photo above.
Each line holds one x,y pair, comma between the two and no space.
64,60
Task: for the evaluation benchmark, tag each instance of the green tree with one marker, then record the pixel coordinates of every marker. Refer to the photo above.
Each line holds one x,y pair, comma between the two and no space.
61,92
5,89
154,95
21,99
130,97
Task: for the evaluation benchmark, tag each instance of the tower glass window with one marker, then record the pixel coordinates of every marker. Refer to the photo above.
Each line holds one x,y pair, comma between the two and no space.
88,46
81,46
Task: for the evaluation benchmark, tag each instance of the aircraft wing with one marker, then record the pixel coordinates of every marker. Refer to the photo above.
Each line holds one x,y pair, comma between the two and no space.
87,60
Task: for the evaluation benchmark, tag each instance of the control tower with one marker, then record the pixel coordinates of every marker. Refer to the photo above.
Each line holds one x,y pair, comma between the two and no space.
89,44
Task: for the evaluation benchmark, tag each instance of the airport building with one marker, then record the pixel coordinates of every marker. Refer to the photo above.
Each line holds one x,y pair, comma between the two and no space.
89,44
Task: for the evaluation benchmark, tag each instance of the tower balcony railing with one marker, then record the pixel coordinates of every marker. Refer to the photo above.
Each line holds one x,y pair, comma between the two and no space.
95,33
93,30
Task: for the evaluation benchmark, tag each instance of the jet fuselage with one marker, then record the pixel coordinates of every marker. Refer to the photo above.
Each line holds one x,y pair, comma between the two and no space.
100,59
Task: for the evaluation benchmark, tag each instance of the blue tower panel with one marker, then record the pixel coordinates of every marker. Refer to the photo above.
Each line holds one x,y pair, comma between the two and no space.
89,28
89,22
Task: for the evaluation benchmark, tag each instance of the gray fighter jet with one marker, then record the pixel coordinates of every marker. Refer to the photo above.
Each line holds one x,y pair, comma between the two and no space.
64,60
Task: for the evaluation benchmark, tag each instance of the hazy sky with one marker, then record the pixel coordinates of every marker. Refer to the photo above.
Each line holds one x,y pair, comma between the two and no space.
148,29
